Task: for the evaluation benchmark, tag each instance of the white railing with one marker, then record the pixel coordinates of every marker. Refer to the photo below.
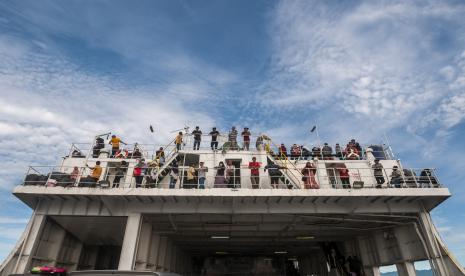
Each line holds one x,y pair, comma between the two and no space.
151,177
306,152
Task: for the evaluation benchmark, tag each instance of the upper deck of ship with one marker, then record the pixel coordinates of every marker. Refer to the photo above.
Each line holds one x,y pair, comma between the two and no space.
340,181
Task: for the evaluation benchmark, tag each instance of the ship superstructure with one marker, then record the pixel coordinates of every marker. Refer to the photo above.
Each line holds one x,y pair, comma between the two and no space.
150,212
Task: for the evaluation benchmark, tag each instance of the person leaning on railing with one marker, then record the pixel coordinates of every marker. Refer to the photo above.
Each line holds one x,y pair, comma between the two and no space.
160,156
174,174
345,177
327,152
138,172
274,173
246,137
309,172
74,174
99,144
232,138
396,177
197,137
96,172
202,174
378,173
119,173
254,167
214,142
191,176
220,179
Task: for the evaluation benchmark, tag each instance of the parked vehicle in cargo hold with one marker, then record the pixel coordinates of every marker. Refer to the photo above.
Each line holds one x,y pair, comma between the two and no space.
120,273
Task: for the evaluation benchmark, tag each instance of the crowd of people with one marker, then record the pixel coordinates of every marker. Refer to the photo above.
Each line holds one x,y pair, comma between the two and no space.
352,151
229,176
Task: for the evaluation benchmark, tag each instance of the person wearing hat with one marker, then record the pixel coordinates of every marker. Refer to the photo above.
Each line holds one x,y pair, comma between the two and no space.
396,177
246,137
378,173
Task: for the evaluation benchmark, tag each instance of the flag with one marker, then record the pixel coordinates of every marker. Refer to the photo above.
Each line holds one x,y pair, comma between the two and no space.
313,129
151,128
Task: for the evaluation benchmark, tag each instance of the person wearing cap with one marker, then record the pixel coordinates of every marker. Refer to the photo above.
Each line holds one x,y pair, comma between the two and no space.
197,137
246,137
214,134
378,173
396,177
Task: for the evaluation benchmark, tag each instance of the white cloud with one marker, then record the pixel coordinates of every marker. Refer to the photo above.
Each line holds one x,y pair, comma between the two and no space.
11,220
47,103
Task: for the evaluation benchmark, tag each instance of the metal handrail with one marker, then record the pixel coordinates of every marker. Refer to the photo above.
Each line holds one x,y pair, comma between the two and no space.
188,146
326,177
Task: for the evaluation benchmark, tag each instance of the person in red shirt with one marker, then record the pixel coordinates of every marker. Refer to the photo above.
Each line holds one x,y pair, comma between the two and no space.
344,176
254,167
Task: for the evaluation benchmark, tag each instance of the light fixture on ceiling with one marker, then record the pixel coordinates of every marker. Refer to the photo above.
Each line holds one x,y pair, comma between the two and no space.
280,252
305,237
219,237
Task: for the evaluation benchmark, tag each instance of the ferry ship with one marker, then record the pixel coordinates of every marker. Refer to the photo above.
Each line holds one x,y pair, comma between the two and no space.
307,211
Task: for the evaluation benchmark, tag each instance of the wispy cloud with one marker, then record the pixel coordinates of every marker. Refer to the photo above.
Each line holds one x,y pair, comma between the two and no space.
373,61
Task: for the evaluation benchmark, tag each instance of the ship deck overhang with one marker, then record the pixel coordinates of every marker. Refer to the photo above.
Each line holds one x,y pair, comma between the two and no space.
121,201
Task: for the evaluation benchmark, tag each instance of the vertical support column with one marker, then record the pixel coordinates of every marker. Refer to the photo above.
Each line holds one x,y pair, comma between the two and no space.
174,253
406,269
58,236
435,253
372,271
161,254
75,256
144,246
152,261
29,246
129,248
167,264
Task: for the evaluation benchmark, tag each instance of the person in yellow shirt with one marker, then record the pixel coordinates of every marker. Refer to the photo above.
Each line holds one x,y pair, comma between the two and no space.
96,171
114,142
191,176
178,141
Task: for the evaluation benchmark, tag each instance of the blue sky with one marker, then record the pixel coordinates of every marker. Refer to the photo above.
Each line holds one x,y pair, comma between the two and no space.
69,70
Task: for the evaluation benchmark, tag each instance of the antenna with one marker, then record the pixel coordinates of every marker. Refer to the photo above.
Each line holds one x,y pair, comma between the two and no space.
388,145
185,128
103,134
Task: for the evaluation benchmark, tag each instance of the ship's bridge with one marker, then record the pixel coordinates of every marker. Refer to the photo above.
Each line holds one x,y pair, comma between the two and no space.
155,208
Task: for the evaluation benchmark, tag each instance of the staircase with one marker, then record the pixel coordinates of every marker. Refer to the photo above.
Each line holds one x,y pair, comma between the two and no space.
290,175
169,158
